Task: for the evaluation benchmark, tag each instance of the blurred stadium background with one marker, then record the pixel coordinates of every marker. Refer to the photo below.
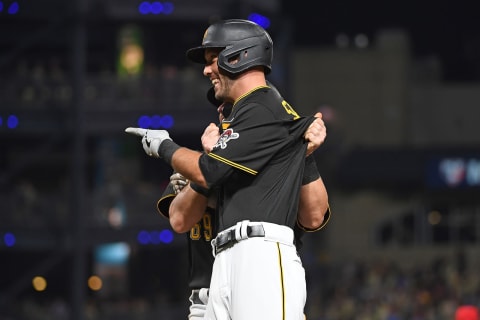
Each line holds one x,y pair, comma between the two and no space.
399,87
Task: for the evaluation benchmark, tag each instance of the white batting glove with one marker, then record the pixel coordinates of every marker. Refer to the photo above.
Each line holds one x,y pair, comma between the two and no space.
151,139
178,182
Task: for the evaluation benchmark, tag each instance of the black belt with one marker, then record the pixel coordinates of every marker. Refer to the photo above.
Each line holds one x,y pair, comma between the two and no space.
227,239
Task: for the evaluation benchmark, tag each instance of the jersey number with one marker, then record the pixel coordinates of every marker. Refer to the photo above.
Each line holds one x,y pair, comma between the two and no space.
206,225
290,110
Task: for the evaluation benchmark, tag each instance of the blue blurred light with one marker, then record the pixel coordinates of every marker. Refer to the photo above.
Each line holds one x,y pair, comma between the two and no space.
167,121
144,7
166,236
1,119
168,8
1,6
155,237
112,253
13,8
144,122
157,7
9,239
156,121
12,121
143,237
260,20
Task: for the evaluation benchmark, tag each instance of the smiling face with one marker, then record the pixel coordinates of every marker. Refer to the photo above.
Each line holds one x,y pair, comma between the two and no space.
221,82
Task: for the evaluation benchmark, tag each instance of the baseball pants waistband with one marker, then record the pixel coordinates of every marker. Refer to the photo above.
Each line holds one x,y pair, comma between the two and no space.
247,229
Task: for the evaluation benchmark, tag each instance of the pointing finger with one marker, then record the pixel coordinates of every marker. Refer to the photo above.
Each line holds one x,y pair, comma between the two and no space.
136,131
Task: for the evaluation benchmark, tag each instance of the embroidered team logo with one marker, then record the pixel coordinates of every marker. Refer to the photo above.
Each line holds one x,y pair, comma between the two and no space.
226,136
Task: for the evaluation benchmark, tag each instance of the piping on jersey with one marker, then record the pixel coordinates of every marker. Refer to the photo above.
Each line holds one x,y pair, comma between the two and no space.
246,94
281,280
233,164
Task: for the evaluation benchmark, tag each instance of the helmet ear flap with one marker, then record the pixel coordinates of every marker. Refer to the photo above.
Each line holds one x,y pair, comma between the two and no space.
230,59
245,55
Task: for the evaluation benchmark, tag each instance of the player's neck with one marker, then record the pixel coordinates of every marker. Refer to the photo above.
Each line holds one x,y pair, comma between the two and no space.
248,81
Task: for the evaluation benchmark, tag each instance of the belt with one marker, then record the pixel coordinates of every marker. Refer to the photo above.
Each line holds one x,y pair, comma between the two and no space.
228,238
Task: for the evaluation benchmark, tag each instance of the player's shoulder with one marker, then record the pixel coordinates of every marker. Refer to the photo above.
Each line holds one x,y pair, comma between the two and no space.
265,96
262,103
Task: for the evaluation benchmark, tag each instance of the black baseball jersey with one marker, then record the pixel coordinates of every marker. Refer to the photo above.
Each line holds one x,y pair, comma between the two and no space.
199,249
258,161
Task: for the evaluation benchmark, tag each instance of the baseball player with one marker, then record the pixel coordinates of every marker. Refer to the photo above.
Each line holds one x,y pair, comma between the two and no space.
257,164
202,232
199,248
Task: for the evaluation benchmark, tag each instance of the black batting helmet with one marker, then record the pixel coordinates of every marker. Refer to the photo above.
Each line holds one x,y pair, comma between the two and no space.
236,36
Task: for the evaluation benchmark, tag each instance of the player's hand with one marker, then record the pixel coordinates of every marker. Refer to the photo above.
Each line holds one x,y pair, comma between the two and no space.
315,134
151,139
210,137
178,182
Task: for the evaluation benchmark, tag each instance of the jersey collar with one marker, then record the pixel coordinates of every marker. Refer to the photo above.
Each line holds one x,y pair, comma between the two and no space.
246,94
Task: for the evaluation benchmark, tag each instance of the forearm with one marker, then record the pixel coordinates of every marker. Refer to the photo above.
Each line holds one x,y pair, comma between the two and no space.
313,205
185,161
186,209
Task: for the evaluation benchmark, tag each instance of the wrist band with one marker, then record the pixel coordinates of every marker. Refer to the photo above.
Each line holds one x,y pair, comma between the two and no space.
203,191
310,172
167,149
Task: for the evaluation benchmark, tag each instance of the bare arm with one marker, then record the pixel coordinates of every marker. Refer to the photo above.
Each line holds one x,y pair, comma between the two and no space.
187,209
189,206
185,161
313,205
